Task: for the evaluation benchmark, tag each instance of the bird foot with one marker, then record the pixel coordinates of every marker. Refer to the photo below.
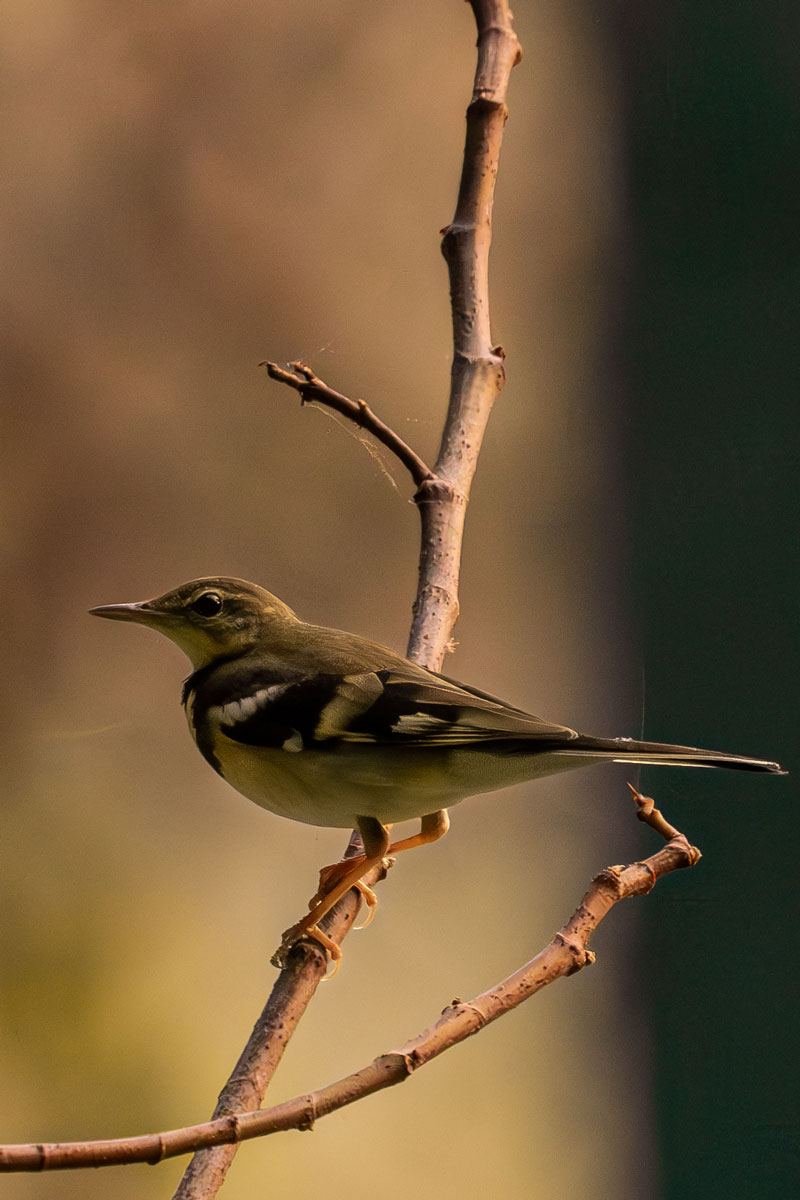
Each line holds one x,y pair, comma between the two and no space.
308,929
371,901
331,876
334,881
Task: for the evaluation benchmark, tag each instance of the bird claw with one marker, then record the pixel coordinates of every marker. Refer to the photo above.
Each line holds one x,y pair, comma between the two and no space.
336,876
330,876
371,901
310,932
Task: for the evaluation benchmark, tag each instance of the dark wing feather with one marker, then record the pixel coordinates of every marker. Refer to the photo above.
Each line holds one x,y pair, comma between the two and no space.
424,709
276,714
394,706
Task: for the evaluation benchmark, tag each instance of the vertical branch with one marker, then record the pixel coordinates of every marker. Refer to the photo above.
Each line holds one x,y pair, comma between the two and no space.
477,373
476,379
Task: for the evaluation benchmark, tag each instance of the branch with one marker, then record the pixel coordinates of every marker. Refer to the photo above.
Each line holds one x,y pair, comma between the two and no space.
477,373
312,389
290,996
566,953
476,378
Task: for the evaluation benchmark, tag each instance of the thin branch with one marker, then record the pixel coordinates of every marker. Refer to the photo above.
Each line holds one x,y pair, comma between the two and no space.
312,388
567,952
477,372
291,994
476,378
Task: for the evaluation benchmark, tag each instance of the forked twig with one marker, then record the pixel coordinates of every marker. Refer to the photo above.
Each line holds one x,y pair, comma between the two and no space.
476,378
313,389
441,494
477,373
567,952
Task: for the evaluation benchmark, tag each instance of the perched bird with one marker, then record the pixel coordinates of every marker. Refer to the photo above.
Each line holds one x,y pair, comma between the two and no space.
330,729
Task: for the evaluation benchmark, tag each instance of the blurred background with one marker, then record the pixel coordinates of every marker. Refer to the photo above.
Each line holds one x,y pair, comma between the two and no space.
191,187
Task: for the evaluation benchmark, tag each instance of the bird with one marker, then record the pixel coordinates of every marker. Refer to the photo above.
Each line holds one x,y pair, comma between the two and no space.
330,729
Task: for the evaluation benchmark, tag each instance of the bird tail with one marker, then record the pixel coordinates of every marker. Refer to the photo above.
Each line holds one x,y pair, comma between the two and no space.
628,750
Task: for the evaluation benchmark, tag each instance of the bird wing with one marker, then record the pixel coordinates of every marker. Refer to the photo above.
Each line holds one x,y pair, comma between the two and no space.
393,706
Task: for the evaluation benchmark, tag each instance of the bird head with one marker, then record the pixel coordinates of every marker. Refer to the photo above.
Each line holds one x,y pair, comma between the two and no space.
210,619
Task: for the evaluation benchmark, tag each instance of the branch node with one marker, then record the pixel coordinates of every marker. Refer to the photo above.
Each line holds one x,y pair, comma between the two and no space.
484,105
303,369
608,880
309,1117
435,490
693,854
581,957
235,1125
650,879
462,1008
651,816
388,1063
434,595
161,1152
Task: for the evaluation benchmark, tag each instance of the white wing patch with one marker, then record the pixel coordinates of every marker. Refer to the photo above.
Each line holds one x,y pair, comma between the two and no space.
420,723
236,711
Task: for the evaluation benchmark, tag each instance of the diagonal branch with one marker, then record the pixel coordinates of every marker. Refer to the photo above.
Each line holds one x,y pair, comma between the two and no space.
477,376
312,389
567,952
290,996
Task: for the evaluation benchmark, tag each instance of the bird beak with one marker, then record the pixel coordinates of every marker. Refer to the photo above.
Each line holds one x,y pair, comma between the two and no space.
142,613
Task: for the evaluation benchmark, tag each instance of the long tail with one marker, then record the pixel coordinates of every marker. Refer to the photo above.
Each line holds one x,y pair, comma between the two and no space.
652,753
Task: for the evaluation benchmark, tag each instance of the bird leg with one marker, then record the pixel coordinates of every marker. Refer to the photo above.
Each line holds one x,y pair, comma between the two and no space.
432,827
337,879
330,876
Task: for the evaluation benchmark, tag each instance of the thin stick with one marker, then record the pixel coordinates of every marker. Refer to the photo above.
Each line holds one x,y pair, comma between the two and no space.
476,378
441,495
290,996
313,389
477,372
567,952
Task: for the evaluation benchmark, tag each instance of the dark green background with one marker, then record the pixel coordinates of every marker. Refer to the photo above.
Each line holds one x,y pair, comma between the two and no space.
713,456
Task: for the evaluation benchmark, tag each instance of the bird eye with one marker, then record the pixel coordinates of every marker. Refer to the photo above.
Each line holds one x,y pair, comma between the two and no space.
207,605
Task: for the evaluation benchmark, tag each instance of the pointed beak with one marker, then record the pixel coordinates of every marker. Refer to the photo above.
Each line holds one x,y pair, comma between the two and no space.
142,613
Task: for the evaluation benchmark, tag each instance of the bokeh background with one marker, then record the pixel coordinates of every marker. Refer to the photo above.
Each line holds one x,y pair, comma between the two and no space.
191,187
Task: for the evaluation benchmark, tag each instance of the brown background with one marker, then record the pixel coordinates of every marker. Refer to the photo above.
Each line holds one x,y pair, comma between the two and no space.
191,188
